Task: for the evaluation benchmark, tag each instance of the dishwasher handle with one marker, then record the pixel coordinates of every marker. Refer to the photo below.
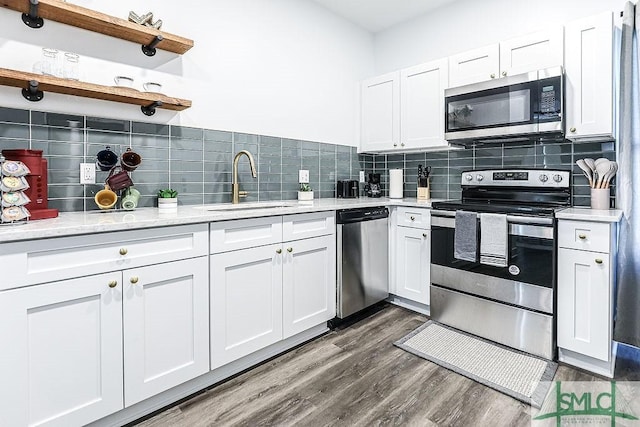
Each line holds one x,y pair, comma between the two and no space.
348,216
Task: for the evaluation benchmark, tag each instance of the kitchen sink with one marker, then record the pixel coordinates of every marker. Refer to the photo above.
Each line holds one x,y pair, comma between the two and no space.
227,207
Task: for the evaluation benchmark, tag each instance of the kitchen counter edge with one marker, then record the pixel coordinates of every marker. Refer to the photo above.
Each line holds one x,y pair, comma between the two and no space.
588,214
78,223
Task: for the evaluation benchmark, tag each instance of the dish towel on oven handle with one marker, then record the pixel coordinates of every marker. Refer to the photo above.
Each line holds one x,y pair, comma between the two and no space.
494,239
465,243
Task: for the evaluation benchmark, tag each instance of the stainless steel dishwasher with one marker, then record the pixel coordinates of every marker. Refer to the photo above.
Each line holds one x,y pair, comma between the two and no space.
363,255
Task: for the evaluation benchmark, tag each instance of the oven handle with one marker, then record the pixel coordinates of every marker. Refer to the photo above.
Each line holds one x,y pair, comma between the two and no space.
527,230
512,219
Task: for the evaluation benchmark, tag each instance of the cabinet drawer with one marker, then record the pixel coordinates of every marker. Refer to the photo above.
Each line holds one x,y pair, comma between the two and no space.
414,217
47,260
584,235
304,226
245,233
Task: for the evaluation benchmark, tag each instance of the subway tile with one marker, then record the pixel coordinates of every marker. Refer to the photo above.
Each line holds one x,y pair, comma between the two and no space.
437,156
217,198
182,176
13,144
190,199
62,191
108,138
217,176
150,128
177,143
245,138
186,132
114,125
13,115
268,196
218,136
13,130
55,119
181,155
310,146
57,134
68,205
187,188
152,141
52,148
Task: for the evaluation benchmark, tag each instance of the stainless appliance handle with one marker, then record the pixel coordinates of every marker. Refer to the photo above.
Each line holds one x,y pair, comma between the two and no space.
513,219
527,230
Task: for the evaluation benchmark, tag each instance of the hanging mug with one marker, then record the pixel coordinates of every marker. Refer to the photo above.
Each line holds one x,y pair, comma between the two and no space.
106,198
130,160
118,180
130,198
106,159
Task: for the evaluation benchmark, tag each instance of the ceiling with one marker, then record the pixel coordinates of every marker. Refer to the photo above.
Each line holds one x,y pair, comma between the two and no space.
378,15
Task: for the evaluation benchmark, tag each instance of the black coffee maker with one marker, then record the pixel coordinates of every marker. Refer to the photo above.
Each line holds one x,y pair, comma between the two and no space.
373,185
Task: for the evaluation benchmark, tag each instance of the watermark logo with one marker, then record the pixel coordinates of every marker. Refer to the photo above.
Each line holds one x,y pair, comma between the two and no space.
599,403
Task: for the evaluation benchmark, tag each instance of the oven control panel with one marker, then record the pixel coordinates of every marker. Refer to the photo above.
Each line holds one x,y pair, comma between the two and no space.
517,178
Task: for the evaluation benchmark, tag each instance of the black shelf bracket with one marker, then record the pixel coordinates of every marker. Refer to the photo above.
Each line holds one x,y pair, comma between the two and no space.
32,19
32,93
150,109
150,49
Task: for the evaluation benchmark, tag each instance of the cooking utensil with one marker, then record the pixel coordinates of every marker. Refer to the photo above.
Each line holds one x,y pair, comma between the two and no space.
602,168
428,171
586,171
611,174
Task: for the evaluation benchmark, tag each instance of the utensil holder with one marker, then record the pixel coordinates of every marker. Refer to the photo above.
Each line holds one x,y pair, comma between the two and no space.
600,198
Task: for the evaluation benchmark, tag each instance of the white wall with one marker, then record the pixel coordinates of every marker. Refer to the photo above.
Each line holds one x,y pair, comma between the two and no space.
280,67
468,24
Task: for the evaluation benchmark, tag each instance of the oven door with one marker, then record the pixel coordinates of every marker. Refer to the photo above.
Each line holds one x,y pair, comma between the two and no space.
520,105
528,280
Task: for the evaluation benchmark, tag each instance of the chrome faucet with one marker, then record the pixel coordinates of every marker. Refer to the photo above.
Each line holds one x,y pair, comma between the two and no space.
235,187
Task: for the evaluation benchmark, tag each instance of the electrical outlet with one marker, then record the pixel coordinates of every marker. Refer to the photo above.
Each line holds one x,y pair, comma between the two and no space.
361,176
303,176
87,173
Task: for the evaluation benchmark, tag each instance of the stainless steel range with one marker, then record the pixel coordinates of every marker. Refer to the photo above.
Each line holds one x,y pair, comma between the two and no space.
493,256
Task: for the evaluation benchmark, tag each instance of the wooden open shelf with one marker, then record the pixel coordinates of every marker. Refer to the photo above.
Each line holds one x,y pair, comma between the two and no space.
90,90
92,20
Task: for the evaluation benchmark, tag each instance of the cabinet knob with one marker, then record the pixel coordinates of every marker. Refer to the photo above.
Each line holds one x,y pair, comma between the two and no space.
278,251
493,76
424,235
412,218
504,74
402,145
572,130
598,261
134,280
289,250
395,145
113,283
582,236
123,251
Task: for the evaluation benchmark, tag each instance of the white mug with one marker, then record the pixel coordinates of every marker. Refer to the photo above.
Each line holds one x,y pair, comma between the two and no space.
152,87
123,81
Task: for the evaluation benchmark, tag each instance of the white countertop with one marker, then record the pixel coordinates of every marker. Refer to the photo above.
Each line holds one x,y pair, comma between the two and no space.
588,214
74,223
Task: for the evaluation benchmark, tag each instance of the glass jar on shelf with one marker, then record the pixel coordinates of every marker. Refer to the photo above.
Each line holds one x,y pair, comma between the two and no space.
71,67
51,62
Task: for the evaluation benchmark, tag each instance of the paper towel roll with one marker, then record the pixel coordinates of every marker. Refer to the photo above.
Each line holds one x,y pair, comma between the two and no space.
395,184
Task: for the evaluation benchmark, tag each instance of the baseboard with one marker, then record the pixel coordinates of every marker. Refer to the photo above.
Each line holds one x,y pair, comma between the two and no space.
202,382
411,305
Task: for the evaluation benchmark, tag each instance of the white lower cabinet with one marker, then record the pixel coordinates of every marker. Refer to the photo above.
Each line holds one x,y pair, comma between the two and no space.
246,302
308,283
584,301
262,295
166,326
413,258
61,360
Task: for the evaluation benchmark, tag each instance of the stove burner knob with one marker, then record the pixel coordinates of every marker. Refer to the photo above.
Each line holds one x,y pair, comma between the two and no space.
557,178
479,177
543,178
468,177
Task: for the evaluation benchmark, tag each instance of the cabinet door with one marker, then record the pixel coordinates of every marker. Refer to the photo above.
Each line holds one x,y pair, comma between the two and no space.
589,77
584,303
308,283
61,358
246,302
166,326
413,263
381,113
422,96
536,51
474,66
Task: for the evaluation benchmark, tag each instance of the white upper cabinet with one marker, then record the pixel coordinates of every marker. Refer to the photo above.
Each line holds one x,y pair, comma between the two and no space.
422,105
535,51
474,66
381,113
518,55
589,77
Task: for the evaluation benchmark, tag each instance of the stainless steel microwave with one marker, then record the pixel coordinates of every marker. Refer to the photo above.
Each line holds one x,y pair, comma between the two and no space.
516,106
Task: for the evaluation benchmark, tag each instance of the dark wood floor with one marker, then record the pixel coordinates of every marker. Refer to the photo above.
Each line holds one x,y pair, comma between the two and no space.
356,377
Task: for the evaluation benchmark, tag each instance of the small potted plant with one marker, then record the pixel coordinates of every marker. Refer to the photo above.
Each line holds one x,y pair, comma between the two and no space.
167,199
305,192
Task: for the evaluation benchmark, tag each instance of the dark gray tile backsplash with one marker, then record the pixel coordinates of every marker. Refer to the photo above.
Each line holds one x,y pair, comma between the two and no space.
198,162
